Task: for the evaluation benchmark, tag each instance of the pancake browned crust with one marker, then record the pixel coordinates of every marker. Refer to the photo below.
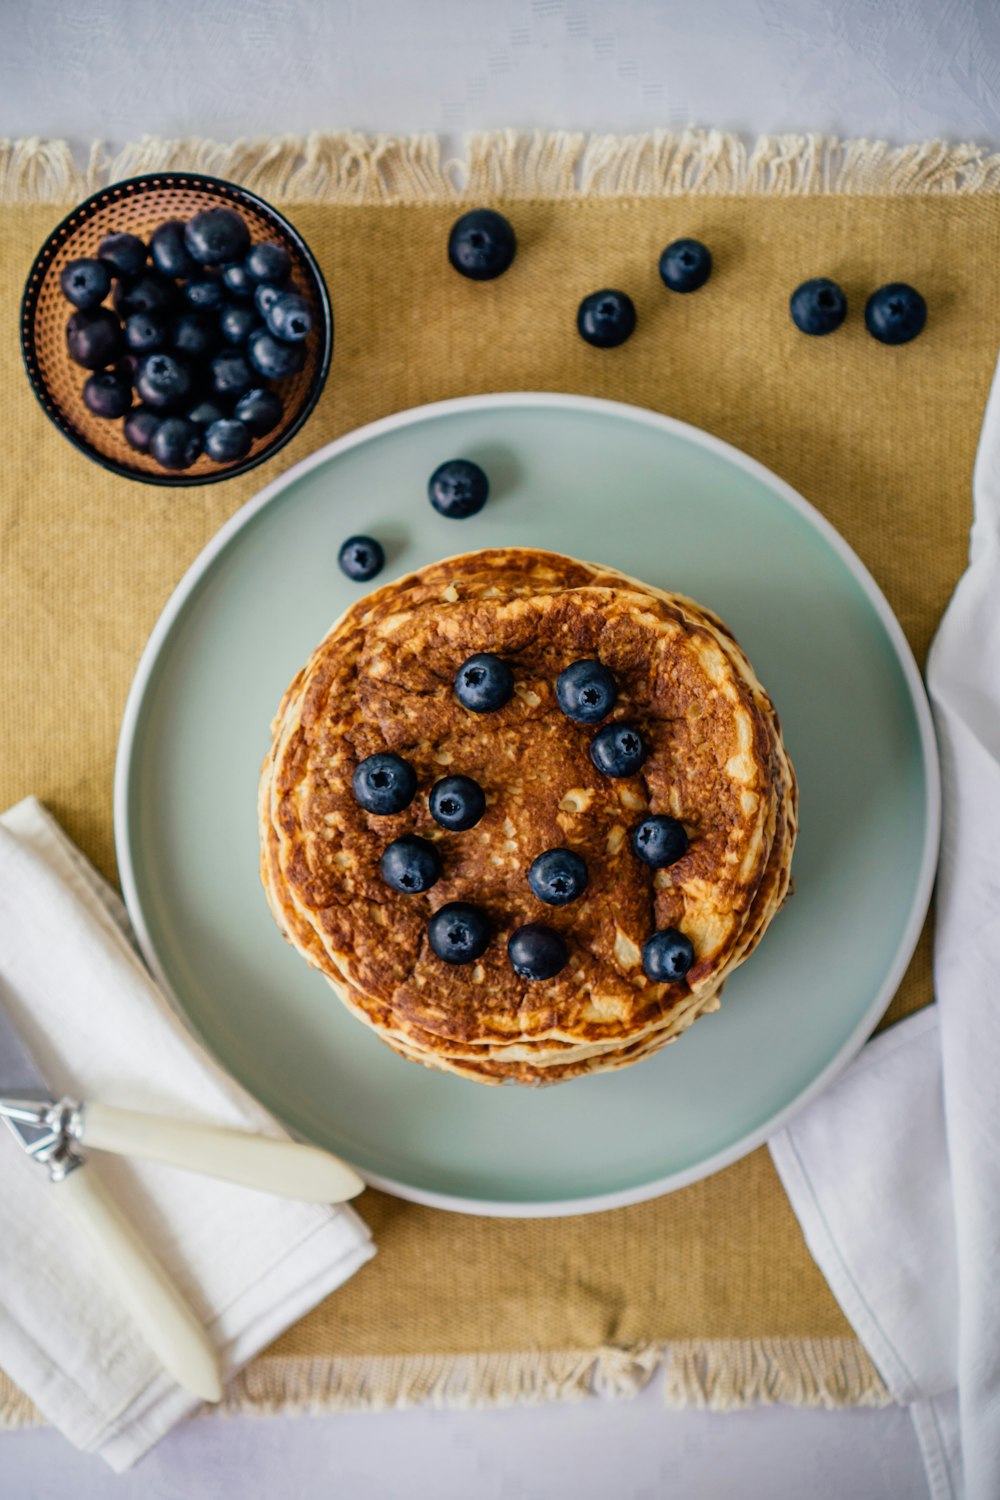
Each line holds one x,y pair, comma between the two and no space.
382,679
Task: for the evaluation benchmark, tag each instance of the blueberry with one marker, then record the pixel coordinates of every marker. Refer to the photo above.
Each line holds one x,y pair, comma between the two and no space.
236,324
361,557
204,413
230,375
238,281
536,952
410,865
169,252
895,314
685,265
484,683
459,933
204,293
606,319
162,381
659,841
481,244
667,956
384,783
458,489
148,292
85,283
289,317
123,254
818,306
268,262
617,750
195,335
260,409
274,358
139,426
586,691
558,876
227,440
107,394
145,332
176,443
457,803
266,296
93,337
215,236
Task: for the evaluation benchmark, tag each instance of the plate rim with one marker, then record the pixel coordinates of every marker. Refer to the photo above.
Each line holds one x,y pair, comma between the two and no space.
623,410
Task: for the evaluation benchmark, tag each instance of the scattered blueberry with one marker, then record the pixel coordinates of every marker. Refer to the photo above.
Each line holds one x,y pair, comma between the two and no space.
145,332
536,952
289,317
93,337
227,440
659,841
459,933
107,394
260,409
195,335
484,683
384,783
85,283
482,244
238,281
617,750
667,956
274,358
123,254
685,265
168,251
586,691
203,292
895,314
148,292
215,236
162,381
139,426
410,864
266,296
204,413
176,443
268,262
236,324
230,375
458,489
558,876
818,306
361,557
606,319
457,803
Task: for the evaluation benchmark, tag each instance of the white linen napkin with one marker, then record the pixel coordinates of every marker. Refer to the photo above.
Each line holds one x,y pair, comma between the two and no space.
894,1172
250,1264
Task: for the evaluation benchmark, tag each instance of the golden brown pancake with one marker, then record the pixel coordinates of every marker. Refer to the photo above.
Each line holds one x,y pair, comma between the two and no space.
382,680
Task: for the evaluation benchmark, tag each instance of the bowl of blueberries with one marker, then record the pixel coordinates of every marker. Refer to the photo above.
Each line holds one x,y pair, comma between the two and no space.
177,329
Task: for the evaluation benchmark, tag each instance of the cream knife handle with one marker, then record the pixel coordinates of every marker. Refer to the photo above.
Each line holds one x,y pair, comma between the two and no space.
282,1167
159,1311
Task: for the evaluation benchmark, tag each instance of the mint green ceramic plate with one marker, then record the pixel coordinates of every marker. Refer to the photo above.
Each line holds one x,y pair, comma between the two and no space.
657,499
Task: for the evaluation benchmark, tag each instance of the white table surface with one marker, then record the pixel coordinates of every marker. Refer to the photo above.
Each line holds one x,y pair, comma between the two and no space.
118,69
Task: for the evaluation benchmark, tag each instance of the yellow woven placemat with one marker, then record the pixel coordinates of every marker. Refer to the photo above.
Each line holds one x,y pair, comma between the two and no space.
715,1281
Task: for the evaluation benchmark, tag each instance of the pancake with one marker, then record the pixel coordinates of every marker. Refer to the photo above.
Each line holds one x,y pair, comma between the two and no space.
382,680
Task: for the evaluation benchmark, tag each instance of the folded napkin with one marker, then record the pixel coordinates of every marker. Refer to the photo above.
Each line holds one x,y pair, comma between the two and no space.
249,1264
894,1173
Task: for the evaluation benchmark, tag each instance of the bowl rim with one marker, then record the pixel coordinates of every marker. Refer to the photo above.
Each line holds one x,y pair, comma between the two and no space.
135,186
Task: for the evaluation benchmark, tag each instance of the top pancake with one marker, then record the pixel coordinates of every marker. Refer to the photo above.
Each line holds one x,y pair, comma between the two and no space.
382,679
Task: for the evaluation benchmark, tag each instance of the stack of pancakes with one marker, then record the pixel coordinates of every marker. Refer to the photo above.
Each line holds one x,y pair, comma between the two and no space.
382,680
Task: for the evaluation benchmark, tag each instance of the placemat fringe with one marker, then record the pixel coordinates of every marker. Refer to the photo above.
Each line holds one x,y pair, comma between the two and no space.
352,168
